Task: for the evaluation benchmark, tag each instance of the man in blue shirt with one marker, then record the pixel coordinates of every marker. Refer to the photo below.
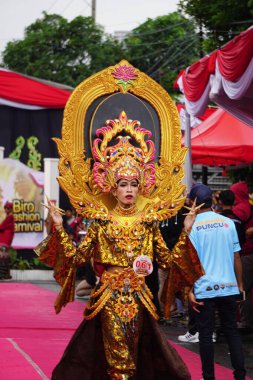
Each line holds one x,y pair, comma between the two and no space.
215,238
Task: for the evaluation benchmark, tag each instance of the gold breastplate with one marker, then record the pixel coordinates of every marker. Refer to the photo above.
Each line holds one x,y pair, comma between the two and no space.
126,231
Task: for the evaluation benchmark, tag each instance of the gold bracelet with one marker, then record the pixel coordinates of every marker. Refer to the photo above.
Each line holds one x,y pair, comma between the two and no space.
58,224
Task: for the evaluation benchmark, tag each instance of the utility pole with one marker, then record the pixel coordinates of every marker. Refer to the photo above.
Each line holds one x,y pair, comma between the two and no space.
201,55
93,10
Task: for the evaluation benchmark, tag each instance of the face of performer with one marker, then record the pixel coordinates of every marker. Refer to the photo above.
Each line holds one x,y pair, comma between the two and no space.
127,192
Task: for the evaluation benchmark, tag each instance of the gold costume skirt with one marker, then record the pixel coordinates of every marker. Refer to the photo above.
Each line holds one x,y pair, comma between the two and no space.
119,338
120,298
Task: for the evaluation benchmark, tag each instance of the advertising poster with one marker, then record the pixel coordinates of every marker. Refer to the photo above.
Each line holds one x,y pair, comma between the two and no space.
23,187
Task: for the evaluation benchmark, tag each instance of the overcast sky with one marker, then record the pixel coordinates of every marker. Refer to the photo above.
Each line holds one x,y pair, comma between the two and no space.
114,15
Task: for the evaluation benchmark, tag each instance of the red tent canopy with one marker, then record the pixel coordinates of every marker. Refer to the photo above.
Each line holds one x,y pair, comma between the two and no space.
21,91
222,140
224,77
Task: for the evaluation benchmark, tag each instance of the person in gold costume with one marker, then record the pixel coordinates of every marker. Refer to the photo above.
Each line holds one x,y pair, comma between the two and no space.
126,246
119,338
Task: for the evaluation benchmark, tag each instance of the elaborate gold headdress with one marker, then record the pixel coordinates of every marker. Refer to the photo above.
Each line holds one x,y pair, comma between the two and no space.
122,151
123,160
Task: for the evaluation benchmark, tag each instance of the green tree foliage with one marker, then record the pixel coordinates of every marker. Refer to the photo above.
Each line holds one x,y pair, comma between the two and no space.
69,52
220,20
161,47
62,51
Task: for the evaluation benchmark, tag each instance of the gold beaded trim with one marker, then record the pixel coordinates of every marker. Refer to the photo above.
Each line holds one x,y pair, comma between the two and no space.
126,284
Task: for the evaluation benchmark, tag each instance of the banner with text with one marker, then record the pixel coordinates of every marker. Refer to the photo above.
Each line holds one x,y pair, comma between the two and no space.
23,187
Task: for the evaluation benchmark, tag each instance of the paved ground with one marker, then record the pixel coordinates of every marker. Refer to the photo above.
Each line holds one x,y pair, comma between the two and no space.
178,327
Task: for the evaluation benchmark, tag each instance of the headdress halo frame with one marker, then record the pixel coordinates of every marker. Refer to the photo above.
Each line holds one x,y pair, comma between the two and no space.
76,174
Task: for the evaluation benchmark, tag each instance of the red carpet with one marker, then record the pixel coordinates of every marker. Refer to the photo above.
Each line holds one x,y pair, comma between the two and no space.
33,337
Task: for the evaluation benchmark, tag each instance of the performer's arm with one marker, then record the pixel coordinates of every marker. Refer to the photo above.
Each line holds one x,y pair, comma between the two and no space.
58,251
183,255
83,252
58,247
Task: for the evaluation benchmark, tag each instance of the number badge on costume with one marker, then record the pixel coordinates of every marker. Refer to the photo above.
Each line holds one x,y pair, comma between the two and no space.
142,265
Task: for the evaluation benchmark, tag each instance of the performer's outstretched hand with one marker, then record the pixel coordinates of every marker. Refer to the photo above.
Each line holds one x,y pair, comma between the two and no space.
55,213
191,216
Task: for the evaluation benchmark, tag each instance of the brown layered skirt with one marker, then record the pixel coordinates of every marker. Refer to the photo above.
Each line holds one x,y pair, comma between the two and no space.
84,357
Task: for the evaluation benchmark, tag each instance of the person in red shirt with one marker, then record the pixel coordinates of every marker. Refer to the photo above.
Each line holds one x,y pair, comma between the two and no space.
6,237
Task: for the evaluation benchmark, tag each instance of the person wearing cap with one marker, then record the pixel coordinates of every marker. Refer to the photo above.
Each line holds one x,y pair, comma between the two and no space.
215,239
6,237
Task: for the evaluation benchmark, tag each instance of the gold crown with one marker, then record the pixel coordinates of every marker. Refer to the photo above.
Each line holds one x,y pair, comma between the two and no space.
123,160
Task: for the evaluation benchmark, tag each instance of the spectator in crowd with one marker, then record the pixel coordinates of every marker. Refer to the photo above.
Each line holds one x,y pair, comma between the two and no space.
71,234
170,230
216,241
69,218
85,272
6,236
153,283
80,229
216,207
244,209
246,307
192,334
226,202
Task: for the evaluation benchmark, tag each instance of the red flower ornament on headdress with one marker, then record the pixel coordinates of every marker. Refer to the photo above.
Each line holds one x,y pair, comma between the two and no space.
125,75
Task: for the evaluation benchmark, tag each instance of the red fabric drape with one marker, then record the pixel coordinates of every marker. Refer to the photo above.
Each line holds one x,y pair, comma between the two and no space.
234,57
175,85
196,78
17,88
208,112
232,87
